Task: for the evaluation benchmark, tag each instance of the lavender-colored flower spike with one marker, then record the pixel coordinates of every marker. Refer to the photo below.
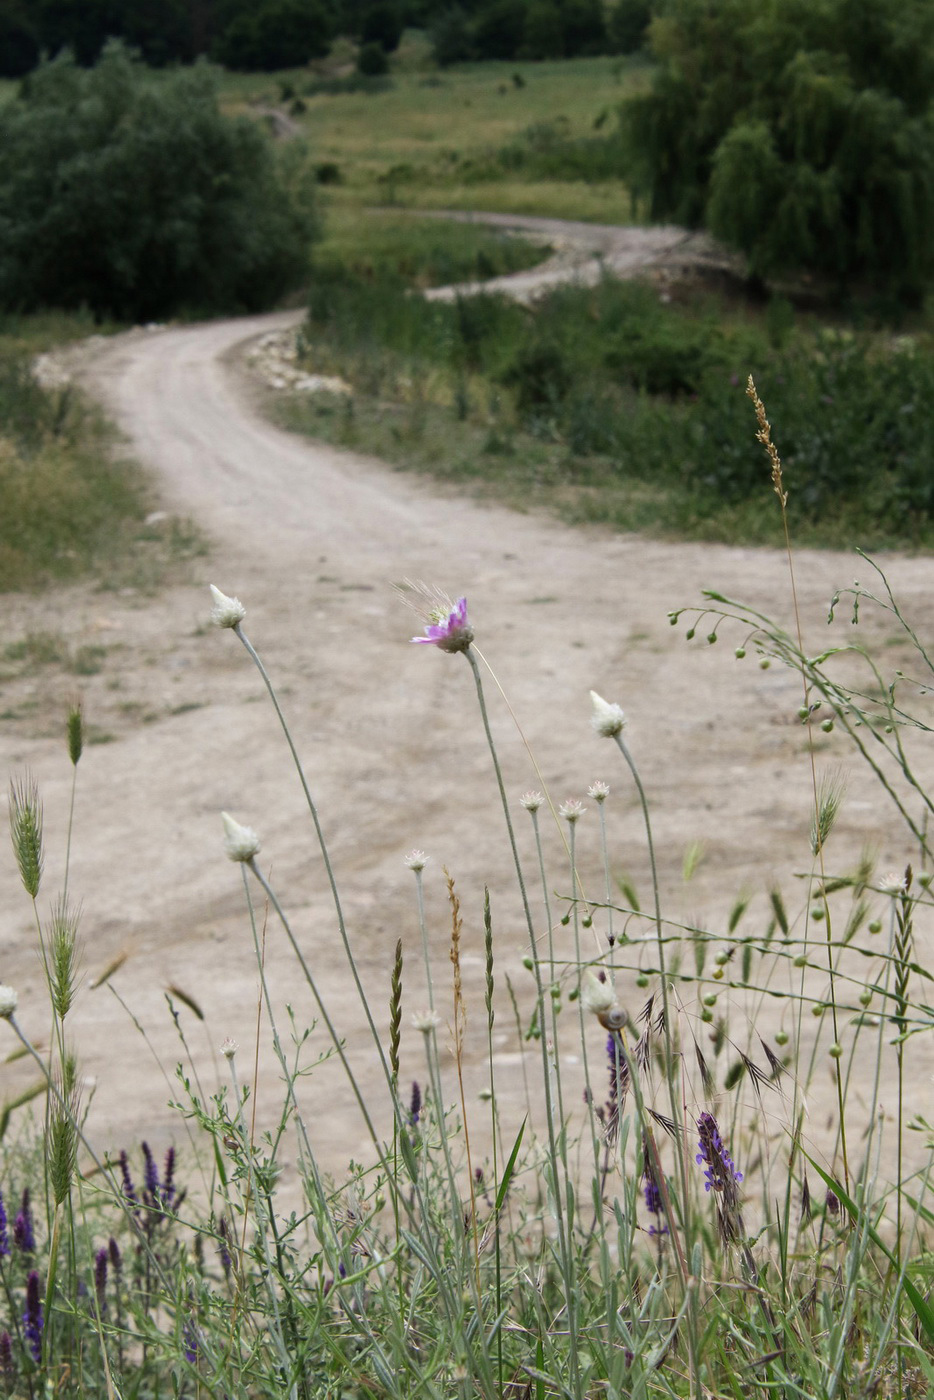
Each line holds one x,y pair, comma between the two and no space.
116,1259
151,1174
100,1279
4,1234
24,1235
651,1190
32,1317
168,1178
415,1106
7,1368
721,1175
129,1190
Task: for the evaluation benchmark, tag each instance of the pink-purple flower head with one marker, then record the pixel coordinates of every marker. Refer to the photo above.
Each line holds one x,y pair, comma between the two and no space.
446,624
449,631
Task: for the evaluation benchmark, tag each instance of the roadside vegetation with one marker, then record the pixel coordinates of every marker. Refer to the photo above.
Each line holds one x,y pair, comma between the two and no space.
74,505
686,1227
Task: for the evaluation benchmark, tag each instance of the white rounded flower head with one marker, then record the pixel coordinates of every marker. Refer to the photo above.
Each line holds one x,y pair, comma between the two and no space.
8,1001
240,842
893,883
608,720
229,1048
416,860
572,810
426,1022
597,997
599,791
531,801
226,612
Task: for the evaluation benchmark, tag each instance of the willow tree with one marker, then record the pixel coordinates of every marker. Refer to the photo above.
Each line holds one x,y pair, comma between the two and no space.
802,131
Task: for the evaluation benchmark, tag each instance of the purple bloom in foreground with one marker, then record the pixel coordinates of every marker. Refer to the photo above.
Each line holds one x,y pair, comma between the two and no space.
32,1317
4,1235
651,1189
719,1169
721,1175
7,1369
100,1279
24,1236
447,627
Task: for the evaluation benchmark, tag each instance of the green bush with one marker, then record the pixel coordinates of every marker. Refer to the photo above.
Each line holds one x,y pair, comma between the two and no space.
137,198
276,34
372,61
802,133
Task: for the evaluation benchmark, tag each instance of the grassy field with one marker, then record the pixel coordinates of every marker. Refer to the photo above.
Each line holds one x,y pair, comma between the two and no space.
430,140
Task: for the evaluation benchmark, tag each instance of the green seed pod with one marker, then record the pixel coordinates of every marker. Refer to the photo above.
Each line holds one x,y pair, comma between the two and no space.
739,653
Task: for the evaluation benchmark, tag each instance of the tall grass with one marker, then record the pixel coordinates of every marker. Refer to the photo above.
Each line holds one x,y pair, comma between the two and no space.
683,1231
73,505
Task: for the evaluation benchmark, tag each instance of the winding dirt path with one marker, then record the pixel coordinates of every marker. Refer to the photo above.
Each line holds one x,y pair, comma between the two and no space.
312,538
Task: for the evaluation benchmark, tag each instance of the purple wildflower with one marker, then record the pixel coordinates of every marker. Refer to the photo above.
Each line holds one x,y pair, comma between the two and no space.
7,1369
190,1342
415,1106
151,1174
447,627
719,1170
4,1234
24,1235
223,1249
652,1192
100,1279
721,1175
32,1317
168,1179
116,1259
129,1190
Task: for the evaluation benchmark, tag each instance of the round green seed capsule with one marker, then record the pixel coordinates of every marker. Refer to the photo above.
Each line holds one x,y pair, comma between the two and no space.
801,960
836,1050
710,999
711,637
865,997
528,963
764,663
817,913
718,973
875,926
642,980
817,1010
826,725
781,1037
739,653
690,634
706,1015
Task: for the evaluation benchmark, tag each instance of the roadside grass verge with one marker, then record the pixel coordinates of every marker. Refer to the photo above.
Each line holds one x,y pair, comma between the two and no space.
73,504
625,405
379,245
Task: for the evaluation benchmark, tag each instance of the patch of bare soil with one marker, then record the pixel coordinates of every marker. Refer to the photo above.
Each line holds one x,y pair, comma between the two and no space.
312,539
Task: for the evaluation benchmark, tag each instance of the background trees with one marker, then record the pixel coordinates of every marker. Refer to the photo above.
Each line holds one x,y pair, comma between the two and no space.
803,132
137,198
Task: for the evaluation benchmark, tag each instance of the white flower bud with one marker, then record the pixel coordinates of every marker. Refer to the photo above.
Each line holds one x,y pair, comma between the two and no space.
226,612
416,860
240,842
426,1022
229,1048
531,801
572,810
599,791
608,720
596,996
8,1002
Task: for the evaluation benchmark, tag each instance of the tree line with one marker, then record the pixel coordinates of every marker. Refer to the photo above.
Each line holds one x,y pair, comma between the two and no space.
271,34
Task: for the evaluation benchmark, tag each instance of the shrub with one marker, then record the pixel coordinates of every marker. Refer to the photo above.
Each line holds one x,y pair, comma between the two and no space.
137,199
451,37
382,24
794,135
277,34
372,61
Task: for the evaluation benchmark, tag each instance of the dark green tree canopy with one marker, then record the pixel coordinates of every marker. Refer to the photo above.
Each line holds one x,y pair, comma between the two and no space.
131,194
801,130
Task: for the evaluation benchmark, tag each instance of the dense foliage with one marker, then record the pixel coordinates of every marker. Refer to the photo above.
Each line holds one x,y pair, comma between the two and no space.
270,34
802,132
626,395
136,198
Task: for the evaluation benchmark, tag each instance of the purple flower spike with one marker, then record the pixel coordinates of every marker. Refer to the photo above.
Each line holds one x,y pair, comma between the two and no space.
722,1177
24,1236
4,1234
7,1368
100,1279
719,1169
447,627
32,1318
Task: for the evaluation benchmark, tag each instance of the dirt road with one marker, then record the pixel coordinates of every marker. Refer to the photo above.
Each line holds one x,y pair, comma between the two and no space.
312,539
